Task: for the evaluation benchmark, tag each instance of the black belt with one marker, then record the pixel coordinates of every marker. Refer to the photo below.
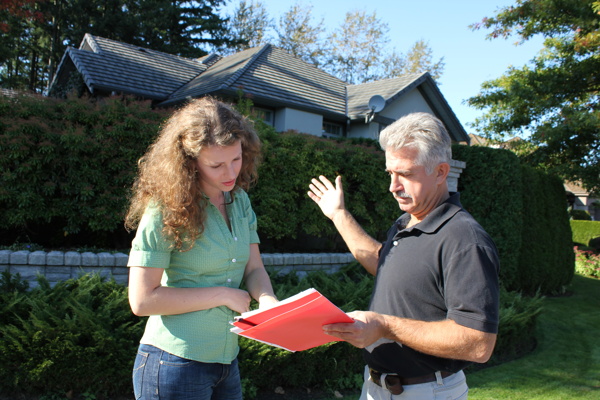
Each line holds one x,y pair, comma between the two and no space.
395,383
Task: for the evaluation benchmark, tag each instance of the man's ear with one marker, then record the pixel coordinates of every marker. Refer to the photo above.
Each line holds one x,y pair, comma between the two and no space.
442,171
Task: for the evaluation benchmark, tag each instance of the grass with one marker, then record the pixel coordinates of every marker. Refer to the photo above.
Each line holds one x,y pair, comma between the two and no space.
564,365
566,362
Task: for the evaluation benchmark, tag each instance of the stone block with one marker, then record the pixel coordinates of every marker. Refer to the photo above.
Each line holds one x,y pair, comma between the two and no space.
89,259
20,257
5,257
121,259
37,258
73,258
55,258
106,260
267,259
27,272
121,279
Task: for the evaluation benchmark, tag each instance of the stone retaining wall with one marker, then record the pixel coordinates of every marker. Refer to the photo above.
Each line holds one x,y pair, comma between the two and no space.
59,266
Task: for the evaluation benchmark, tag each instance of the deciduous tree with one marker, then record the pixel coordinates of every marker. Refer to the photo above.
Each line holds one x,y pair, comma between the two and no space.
553,102
299,36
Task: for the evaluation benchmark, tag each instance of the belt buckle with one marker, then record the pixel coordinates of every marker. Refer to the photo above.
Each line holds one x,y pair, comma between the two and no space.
391,383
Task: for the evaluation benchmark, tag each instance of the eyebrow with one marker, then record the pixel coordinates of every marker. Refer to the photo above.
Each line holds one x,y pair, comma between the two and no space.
215,163
399,171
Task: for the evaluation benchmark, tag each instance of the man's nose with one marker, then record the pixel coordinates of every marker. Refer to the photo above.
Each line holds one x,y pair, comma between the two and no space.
395,184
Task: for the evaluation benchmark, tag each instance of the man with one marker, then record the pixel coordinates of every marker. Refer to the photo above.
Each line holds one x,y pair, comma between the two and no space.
434,307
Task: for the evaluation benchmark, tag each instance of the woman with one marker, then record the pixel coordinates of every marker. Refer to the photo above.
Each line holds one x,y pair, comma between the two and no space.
196,241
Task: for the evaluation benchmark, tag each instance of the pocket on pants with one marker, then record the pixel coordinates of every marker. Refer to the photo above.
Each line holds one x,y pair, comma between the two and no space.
138,373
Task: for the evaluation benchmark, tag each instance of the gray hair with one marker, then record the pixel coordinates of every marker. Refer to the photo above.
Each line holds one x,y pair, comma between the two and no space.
422,131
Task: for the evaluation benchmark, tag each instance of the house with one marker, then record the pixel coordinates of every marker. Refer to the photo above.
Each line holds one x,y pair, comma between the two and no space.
286,92
580,199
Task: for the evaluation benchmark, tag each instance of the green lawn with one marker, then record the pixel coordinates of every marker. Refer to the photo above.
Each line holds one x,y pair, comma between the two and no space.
565,364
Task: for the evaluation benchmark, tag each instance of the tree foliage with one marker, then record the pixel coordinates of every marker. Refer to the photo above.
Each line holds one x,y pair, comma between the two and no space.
357,51
360,52
249,25
298,36
553,101
37,32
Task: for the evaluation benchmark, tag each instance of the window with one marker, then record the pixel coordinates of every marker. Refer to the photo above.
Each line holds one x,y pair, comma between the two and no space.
330,128
264,114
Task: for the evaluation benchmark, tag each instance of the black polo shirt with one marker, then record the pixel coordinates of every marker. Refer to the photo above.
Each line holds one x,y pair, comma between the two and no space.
445,267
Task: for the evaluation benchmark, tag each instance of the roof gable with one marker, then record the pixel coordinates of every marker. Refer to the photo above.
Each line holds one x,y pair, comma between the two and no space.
114,66
270,76
392,89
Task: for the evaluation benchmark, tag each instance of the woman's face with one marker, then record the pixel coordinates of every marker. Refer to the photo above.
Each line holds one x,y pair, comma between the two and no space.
219,167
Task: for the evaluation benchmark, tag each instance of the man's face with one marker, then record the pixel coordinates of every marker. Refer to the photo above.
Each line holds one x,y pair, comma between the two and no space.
416,192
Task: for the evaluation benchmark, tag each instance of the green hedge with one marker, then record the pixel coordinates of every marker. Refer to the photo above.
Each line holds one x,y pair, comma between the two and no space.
585,231
288,219
79,338
524,210
547,260
67,166
491,190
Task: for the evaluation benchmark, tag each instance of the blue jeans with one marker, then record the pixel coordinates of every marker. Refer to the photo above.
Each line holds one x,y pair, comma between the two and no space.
158,375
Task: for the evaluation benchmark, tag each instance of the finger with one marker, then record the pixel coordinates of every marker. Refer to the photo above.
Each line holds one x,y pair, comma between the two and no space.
314,189
326,182
314,197
340,328
318,184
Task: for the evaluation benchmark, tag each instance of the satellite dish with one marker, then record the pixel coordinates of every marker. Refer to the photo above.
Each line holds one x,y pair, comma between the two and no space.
376,104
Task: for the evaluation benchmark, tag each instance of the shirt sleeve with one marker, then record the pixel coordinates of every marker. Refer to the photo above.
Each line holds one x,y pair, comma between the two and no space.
472,289
149,247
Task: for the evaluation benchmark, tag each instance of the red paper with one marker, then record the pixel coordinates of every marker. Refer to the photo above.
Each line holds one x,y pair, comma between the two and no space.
294,324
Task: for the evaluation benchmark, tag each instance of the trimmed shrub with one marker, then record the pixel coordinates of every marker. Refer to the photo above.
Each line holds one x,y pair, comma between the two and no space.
584,232
491,190
580,215
546,258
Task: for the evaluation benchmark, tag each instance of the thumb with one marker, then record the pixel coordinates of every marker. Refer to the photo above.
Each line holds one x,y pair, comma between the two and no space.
338,183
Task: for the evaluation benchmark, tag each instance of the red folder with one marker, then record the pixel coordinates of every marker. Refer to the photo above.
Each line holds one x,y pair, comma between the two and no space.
294,324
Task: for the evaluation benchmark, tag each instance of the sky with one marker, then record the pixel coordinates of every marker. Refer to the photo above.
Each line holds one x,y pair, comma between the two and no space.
470,59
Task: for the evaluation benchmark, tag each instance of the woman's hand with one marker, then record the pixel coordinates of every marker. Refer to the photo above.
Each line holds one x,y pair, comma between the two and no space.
238,300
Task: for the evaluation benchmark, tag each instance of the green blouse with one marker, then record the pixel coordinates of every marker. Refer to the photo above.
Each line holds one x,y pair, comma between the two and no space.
218,258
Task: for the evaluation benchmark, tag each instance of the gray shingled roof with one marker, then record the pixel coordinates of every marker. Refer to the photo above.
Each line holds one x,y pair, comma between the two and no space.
114,66
389,89
270,76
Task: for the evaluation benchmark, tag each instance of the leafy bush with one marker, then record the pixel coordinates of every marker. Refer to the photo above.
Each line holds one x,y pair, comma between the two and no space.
288,219
67,165
83,329
587,263
580,215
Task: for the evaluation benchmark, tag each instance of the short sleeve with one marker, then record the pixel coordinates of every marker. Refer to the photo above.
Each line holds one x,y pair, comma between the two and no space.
472,289
149,247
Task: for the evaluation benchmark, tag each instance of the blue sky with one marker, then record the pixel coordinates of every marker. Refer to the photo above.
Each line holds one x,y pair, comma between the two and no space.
470,59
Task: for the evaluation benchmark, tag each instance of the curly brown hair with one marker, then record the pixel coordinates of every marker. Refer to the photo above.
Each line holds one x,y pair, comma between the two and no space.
168,174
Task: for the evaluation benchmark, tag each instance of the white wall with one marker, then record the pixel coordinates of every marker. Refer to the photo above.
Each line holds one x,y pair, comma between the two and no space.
411,102
304,122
